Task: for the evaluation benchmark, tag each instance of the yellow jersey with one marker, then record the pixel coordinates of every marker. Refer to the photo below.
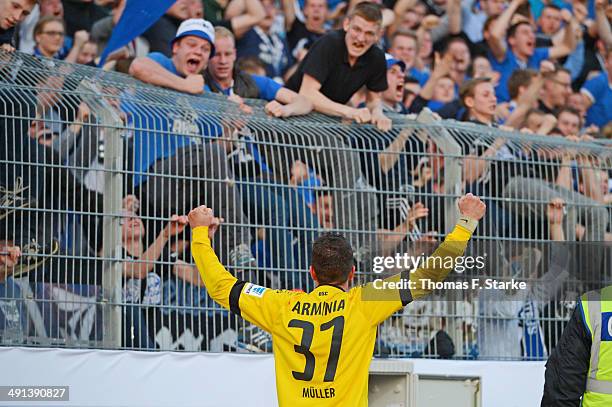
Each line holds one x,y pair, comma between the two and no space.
323,341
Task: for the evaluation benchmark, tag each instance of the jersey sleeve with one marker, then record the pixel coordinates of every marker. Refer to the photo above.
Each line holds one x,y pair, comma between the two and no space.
381,298
259,305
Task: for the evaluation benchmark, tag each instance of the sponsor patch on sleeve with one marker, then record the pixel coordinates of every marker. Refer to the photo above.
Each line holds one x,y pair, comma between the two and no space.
254,290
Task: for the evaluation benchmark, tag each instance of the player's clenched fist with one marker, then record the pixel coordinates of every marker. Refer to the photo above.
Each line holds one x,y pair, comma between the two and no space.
200,216
472,207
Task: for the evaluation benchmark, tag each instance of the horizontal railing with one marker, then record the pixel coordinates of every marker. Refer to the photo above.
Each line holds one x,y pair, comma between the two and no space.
96,165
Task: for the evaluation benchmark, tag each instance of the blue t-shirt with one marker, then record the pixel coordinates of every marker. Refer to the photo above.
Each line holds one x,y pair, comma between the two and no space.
267,87
159,131
164,61
272,49
600,92
509,65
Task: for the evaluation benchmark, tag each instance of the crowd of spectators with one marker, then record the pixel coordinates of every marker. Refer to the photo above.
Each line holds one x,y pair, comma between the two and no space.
442,45
533,67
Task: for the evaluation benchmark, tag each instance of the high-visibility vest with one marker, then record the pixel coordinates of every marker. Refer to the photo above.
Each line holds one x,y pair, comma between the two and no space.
597,314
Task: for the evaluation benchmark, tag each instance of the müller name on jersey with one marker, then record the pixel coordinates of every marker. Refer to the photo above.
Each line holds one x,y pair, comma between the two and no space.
315,393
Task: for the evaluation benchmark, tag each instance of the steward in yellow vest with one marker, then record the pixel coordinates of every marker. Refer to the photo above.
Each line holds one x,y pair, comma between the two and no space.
581,364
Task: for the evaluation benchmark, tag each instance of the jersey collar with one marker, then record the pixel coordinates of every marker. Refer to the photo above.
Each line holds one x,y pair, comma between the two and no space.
330,285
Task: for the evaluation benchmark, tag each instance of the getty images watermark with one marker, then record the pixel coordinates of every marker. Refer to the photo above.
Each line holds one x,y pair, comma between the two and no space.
409,263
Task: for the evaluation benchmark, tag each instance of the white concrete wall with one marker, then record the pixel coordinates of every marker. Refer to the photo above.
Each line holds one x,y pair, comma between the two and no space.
124,378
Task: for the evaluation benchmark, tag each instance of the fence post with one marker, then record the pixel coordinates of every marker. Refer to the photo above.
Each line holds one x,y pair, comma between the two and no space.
110,125
452,189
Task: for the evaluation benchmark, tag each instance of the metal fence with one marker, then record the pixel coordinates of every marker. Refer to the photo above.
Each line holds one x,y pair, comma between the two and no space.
97,169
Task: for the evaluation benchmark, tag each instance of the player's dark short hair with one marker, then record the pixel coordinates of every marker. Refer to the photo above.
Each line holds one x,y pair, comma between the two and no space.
332,258
371,12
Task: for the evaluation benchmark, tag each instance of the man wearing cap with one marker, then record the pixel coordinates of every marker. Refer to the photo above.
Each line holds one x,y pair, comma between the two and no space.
181,147
192,47
393,96
341,63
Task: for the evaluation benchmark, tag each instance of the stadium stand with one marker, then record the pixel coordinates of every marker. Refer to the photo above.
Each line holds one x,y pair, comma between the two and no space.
100,167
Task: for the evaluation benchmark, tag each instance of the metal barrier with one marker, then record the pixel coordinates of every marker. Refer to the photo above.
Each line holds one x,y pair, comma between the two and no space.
96,166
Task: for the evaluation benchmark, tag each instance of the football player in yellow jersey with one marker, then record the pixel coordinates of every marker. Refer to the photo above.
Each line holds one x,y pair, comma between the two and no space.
324,340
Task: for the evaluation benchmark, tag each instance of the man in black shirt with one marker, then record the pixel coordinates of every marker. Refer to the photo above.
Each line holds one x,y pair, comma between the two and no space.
12,12
341,63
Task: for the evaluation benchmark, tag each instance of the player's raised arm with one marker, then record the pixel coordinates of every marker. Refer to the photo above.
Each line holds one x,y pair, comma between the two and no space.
259,305
218,281
380,299
471,210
